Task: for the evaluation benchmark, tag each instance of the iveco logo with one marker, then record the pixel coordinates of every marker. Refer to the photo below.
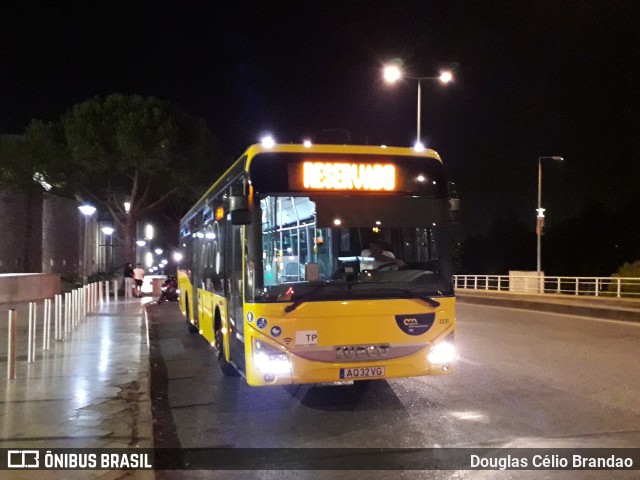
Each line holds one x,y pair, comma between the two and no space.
362,351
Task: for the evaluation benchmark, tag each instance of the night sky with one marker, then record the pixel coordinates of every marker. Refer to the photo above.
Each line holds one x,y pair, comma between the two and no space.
532,78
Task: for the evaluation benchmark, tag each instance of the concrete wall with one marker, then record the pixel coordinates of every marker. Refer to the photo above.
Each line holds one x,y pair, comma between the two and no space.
525,281
24,287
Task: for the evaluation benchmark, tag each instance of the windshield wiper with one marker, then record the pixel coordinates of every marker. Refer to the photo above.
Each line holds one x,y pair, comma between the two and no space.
411,294
310,294
315,292
433,303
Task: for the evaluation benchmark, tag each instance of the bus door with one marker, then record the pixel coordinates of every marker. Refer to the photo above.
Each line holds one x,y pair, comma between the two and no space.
234,295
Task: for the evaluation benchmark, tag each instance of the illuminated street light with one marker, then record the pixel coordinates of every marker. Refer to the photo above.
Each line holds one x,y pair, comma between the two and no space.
106,257
127,207
86,210
148,232
177,256
268,141
393,73
540,212
445,77
141,243
158,251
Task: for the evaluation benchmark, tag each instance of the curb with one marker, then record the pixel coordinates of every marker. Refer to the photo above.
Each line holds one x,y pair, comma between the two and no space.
624,311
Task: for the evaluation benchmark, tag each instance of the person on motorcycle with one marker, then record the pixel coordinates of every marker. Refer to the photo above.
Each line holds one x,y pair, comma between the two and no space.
169,290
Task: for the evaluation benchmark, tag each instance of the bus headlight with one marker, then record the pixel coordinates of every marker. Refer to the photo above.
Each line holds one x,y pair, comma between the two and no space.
269,360
443,352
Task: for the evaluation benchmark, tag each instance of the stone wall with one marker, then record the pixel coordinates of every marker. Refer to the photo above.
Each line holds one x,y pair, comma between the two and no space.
42,234
23,287
20,233
46,235
62,236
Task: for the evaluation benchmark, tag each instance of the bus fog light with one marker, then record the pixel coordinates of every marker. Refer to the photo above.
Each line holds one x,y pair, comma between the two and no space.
443,352
269,360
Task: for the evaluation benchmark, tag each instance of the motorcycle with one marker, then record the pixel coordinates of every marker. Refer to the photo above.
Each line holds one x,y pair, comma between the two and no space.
169,291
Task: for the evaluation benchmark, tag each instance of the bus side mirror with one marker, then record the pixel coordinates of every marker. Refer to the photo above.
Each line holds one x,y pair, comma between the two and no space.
239,210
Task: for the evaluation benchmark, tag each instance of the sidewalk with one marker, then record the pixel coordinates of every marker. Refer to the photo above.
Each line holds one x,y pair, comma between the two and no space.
88,391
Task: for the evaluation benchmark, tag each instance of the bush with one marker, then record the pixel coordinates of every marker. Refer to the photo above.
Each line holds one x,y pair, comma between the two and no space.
627,271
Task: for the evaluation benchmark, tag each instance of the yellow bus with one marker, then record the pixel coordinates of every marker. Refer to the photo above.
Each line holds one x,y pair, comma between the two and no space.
323,264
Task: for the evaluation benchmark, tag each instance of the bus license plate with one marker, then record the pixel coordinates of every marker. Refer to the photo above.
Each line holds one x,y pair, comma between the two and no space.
361,372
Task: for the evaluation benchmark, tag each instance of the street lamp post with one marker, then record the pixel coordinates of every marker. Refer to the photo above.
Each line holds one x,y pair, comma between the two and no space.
392,74
108,248
540,212
86,210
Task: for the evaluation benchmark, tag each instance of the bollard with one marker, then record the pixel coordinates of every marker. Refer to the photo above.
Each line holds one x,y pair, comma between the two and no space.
106,291
74,296
11,347
76,308
81,299
82,310
115,290
100,299
31,346
57,317
69,310
83,303
65,330
47,324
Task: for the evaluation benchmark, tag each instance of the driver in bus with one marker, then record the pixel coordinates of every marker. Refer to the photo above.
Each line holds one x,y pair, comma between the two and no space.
383,260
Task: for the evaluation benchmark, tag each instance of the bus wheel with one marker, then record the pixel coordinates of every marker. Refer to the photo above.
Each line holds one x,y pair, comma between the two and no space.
228,370
192,328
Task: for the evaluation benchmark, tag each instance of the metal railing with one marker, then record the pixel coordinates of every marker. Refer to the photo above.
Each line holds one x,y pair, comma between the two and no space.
67,311
590,286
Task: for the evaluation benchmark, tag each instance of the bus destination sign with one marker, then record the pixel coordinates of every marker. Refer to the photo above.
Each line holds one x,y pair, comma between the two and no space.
320,175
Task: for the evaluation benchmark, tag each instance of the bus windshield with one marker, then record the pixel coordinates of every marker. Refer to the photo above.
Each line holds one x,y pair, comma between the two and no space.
346,247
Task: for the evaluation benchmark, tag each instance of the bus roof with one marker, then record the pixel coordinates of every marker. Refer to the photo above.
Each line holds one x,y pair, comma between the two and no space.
257,148
244,161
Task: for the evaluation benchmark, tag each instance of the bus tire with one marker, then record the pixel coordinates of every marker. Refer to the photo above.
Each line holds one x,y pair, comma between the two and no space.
228,370
192,328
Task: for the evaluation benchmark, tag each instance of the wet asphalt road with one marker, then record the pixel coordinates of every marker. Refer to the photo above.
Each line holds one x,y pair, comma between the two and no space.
524,379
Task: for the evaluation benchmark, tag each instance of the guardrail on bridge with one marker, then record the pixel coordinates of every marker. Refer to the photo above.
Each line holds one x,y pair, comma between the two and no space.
591,286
